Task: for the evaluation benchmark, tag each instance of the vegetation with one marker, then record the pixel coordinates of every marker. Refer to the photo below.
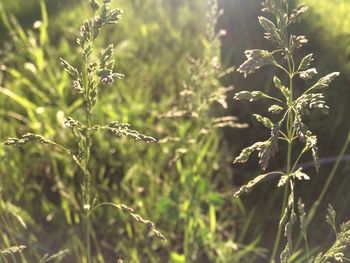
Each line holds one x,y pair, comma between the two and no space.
77,189
291,110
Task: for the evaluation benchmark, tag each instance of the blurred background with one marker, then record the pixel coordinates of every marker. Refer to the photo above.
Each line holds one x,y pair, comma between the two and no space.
189,197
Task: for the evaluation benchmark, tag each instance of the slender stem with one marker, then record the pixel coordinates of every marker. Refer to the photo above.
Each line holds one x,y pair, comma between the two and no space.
289,157
118,206
87,189
307,248
275,99
278,235
284,135
284,203
87,237
86,206
290,135
87,150
282,68
297,160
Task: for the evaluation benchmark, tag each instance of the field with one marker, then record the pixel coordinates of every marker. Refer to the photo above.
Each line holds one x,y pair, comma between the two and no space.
123,124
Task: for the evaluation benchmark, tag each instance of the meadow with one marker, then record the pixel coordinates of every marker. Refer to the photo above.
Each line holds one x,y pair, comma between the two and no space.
125,126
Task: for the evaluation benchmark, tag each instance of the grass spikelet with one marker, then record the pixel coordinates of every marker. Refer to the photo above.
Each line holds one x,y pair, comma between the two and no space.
12,250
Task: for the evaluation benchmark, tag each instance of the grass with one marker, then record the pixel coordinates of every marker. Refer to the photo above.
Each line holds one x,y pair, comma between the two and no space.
184,183
65,181
291,108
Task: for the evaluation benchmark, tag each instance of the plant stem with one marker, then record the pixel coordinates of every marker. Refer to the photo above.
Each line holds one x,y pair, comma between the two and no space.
87,187
87,237
290,134
285,195
87,176
86,207
278,235
307,248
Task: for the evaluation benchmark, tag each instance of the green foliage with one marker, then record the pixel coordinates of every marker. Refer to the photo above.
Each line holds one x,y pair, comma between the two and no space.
175,183
169,84
199,202
335,27
87,82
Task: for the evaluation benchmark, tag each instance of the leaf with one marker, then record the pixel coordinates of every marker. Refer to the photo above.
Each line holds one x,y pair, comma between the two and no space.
271,31
56,256
215,199
263,120
18,213
177,258
19,99
256,59
305,62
